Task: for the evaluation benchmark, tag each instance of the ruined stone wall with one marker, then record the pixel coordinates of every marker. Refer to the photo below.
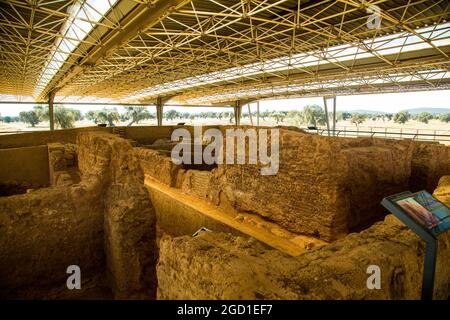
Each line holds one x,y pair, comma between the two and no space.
105,224
23,168
430,162
376,169
63,164
442,192
158,165
39,138
148,134
129,217
45,231
222,266
197,183
325,186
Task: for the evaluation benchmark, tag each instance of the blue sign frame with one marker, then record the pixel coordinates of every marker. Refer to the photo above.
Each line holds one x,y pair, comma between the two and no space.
403,206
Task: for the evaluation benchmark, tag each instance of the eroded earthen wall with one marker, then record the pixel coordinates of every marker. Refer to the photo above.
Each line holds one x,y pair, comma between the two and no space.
104,224
158,164
63,164
23,168
325,186
39,138
129,217
430,162
222,266
45,231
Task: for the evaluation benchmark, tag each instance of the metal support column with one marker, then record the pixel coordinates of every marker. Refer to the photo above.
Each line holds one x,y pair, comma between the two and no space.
428,235
51,116
257,113
429,269
159,111
326,115
334,115
250,114
237,112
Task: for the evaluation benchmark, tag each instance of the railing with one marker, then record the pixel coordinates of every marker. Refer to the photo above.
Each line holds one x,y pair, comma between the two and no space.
434,135
419,135
22,131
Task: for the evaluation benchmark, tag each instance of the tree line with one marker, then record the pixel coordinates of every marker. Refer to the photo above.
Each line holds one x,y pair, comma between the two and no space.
65,118
311,115
315,115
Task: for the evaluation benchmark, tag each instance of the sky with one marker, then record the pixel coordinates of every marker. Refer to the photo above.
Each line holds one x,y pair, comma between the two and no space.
387,102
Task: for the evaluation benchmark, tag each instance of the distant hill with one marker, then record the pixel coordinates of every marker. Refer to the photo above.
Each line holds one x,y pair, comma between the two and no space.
413,111
429,110
366,111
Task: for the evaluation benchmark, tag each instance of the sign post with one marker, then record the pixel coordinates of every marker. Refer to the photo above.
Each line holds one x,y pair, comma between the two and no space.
428,218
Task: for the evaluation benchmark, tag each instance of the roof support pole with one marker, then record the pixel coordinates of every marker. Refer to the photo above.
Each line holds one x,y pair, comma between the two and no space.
237,112
334,115
159,110
326,115
257,113
250,114
51,117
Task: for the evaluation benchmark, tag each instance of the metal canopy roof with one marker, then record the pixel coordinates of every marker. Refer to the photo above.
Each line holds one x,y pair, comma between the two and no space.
204,51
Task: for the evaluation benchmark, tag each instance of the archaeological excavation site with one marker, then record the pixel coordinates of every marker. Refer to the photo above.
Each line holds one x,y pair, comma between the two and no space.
224,150
141,227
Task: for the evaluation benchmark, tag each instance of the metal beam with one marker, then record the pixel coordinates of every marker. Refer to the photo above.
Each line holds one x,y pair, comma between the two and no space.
237,112
334,115
250,113
257,113
220,53
142,17
326,115
80,103
51,115
139,20
247,101
159,110
149,104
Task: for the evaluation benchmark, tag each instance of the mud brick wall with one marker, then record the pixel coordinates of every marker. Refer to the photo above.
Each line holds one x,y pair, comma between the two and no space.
129,217
104,224
442,192
430,162
375,170
197,183
23,168
158,164
63,164
39,138
45,231
325,186
223,266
